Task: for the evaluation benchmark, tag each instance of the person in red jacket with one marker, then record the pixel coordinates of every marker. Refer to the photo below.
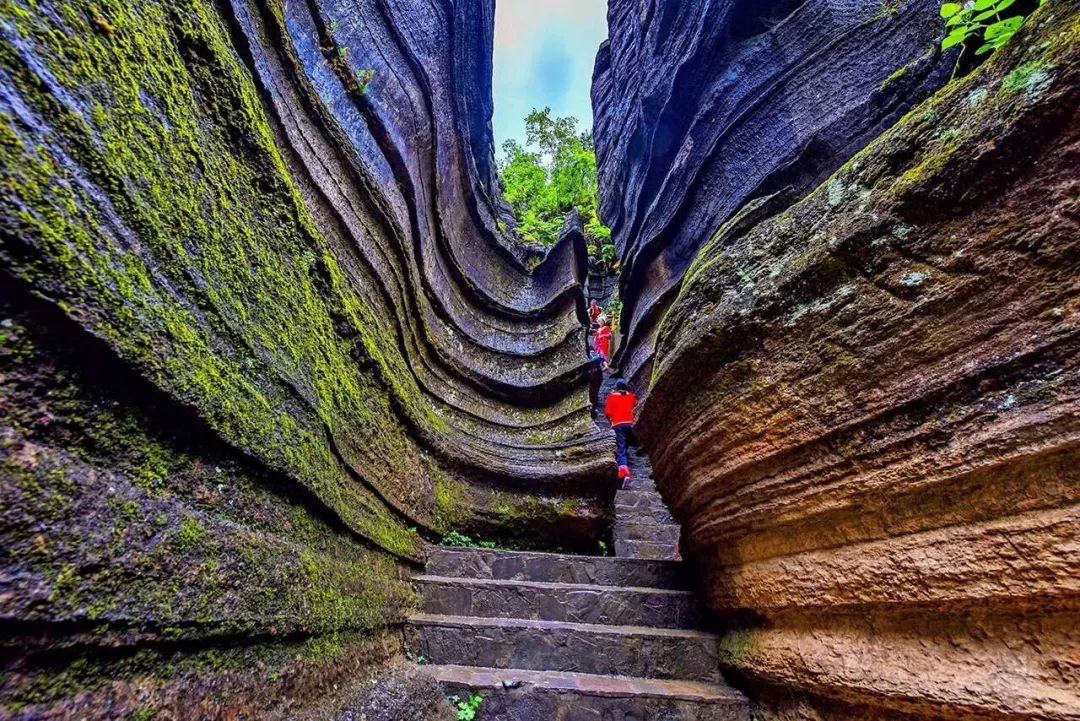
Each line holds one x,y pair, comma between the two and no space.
603,341
620,411
595,311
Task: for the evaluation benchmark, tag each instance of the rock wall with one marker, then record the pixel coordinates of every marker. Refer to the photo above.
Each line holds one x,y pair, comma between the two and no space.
260,338
866,412
702,106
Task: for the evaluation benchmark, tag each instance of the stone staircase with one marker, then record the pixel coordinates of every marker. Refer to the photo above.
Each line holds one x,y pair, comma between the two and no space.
549,637
643,526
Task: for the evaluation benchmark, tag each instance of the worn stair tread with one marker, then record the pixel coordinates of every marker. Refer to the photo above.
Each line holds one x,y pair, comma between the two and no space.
432,619
554,567
638,527
587,683
641,651
631,500
550,585
576,602
647,550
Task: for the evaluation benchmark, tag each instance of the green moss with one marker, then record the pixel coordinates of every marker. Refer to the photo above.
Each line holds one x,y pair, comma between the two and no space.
897,75
191,534
452,508
65,586
1032,78
186,155
736,647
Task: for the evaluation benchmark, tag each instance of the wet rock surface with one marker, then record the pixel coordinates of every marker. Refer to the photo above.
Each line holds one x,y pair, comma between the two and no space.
864,412
702,106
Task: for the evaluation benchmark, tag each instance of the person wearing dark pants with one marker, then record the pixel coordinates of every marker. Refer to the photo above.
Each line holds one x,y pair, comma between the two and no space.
596,380
620,411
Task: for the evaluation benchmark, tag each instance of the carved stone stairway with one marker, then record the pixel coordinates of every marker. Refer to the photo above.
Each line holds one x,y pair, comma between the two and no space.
548,637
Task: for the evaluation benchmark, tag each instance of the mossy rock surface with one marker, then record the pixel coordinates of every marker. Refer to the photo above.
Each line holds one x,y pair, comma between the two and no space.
255,323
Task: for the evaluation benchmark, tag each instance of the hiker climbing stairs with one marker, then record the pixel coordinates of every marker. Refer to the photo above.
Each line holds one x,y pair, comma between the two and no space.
643,526
549,637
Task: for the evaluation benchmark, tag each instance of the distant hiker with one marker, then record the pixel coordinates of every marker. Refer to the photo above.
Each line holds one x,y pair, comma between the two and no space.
596,379
620,411
602,341
595,311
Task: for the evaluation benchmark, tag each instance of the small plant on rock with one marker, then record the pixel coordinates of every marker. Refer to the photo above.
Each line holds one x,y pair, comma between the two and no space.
985,19
363,81
467,709
456,539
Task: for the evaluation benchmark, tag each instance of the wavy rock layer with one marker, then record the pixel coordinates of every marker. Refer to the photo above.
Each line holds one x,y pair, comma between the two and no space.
866,412
260,334
702,106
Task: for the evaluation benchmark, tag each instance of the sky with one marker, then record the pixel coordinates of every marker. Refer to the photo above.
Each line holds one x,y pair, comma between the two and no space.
544,53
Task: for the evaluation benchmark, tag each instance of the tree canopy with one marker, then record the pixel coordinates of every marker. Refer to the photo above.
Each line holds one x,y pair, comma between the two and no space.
553,174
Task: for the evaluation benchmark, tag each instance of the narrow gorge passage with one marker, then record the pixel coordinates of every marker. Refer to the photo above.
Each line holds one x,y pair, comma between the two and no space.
279,329
547,636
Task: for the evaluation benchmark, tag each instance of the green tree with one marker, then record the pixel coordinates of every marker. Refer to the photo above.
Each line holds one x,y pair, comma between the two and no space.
554,174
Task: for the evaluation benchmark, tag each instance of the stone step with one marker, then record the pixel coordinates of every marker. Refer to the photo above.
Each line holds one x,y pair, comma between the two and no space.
647,550
520,695
560,646
553,568
654,532
639,482
574,602
641,507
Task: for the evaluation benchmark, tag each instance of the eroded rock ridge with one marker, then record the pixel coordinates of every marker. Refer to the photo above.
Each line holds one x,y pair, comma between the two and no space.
864,411
262,334
702,106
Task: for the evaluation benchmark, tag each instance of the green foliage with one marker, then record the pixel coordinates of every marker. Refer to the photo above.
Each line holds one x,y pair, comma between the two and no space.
363,80
614,311
554,174
983,19
456,539
607,253
467,709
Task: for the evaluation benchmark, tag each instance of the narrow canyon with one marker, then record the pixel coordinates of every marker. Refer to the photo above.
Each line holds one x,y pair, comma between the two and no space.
267,336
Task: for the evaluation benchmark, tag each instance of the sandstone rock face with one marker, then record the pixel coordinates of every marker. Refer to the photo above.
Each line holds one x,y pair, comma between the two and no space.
865,412
703,105
261,335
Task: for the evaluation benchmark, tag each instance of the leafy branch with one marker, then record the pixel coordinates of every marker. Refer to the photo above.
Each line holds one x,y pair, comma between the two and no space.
983,19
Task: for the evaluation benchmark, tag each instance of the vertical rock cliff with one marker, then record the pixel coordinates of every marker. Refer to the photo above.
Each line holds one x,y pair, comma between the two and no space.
865,410
260,336
703,106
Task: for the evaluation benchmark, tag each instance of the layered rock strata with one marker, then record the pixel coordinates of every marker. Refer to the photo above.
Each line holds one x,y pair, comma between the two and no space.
702,106
866,413
261,335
